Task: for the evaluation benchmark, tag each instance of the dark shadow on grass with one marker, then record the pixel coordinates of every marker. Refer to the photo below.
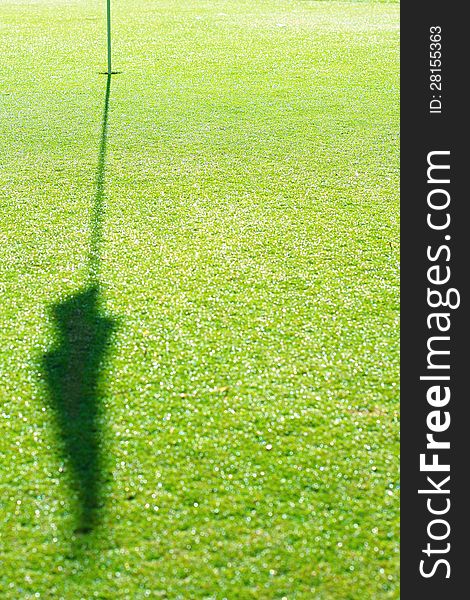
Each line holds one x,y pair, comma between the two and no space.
72,368
72,371
97,216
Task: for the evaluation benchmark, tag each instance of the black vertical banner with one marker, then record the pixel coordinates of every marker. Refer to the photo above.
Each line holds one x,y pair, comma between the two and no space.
434,299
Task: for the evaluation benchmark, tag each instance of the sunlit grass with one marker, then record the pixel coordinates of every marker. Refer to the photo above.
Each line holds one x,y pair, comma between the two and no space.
249,400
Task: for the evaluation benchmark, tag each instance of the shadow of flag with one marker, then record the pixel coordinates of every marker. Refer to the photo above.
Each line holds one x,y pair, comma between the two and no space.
72,374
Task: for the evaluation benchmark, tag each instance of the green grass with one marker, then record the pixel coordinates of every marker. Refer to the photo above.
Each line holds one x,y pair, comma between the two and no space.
246,404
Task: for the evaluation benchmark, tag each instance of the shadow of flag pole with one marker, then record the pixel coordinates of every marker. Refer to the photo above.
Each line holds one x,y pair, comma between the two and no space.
72,369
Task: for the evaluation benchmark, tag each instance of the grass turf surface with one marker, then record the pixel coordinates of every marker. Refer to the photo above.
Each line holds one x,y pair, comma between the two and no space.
236,343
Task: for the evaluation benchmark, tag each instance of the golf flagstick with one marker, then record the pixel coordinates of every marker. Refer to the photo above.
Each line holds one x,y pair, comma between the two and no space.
108,15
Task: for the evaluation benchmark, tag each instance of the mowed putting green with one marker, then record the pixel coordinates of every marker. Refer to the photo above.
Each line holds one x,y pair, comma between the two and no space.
199,290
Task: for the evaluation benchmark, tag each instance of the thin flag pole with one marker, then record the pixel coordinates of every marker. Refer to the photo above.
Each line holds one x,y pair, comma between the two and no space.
109,34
